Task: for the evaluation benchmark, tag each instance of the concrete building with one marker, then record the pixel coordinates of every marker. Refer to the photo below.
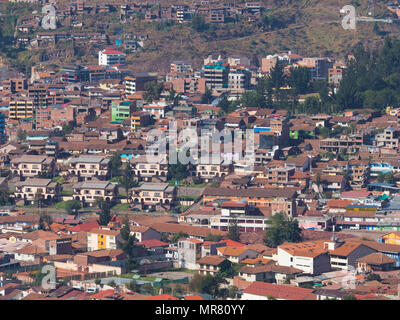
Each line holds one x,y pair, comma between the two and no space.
87,167
32,165
153,195
88,191
109,57
33,189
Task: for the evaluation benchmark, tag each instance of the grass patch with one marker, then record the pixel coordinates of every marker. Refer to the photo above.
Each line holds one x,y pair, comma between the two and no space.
60,180
121,206
59,205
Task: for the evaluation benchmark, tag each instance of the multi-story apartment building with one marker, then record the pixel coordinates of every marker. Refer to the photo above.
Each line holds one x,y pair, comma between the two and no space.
139,119
216,75
245,223
338,145
146,171
189,252
21,108
109,57
137,81
209,171
74,74
277,174
360,176
275,199
389,138
181,67
88,167
153,195
158,109
239,79
335,75
32,166
122,110
318,67
88,191
33,189
15,85
102,239
38,93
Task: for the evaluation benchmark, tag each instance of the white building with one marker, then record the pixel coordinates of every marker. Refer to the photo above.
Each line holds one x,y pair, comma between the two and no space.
109,57
311,257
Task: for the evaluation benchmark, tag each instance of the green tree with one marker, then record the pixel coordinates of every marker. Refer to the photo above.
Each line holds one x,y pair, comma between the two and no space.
127,180
178,236
125,230
67,129
299,79
227,269
225,105
115,164
153,91
207,97
349,297
45,221
232,292
233,230
198,23
72,206
253,99
128,245
134,286
38,198
373,277
147,287
5,198
213,237
206,284
283,228
177,171
105,207
21,135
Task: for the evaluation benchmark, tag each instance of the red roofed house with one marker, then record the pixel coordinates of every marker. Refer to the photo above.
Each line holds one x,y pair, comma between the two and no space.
162,297
109,57
84,227
264,291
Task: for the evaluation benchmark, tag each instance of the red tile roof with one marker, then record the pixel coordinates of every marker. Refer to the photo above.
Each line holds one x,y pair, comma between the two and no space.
277,291
85,227
153,243
162,297
193,297
232,243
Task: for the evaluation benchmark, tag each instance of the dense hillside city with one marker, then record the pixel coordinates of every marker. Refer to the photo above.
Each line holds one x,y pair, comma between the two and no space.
200,150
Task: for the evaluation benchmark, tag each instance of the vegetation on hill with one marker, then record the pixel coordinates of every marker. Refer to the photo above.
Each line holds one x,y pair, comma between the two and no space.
308,27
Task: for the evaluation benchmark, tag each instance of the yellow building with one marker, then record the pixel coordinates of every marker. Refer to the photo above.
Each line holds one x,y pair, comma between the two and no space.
391,238
21,108
101,239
